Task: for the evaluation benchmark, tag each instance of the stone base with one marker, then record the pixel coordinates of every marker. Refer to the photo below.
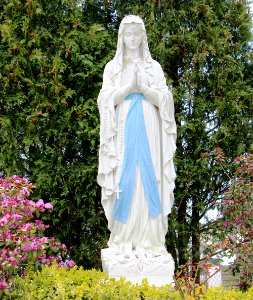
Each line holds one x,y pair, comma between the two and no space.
158,270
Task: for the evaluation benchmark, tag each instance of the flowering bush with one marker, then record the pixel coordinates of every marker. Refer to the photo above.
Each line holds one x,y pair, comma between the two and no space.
22,243
237,212
231,233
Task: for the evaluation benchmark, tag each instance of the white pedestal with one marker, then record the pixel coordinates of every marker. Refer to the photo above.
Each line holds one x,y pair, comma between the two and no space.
158,270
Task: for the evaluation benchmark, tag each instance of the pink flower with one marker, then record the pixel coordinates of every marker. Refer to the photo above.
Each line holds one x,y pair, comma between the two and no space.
23,258
40,204
56,244
38,222
24,192
15,252
30,203
58,259
3,285
28,226
44,239
33,246
48,206
16,216
66,264
13,261
4,219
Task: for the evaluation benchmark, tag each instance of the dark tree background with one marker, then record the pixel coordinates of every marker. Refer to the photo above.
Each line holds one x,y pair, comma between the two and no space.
51,65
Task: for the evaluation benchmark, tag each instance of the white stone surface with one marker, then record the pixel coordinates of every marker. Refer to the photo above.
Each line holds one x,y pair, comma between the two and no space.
137,241
133,70
158,270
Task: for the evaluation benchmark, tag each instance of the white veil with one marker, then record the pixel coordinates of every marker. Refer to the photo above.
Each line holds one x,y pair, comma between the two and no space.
145,53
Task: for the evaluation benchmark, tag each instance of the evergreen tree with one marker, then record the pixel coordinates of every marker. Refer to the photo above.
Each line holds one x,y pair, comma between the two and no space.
52,59
51,68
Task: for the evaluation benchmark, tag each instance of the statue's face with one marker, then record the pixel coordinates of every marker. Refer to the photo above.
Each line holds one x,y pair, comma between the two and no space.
132,36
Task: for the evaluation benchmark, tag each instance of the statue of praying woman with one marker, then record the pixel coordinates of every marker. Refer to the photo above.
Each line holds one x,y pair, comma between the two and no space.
137,144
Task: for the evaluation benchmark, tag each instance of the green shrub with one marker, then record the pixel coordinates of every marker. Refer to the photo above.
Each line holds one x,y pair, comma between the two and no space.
76,283
219,293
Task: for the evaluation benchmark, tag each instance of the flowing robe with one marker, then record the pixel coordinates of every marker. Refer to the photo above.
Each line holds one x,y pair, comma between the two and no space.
141,233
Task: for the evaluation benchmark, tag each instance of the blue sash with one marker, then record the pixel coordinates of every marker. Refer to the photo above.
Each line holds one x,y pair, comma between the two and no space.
136,152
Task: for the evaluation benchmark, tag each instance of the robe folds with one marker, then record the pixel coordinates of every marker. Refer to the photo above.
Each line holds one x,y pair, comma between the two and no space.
141,232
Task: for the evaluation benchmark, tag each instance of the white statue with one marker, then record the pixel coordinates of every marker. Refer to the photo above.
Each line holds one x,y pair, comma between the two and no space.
137,144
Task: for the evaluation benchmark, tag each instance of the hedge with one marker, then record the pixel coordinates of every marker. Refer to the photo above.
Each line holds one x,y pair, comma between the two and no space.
76,283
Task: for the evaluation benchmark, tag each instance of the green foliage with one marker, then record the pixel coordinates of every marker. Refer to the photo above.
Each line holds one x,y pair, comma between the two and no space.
236,228
51,68
51,64
74,283
220,293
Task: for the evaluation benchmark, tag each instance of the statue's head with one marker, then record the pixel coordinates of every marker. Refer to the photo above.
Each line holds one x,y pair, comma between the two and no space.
132,34
131,20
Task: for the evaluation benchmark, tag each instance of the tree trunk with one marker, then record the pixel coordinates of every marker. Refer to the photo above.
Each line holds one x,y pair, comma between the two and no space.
195,240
